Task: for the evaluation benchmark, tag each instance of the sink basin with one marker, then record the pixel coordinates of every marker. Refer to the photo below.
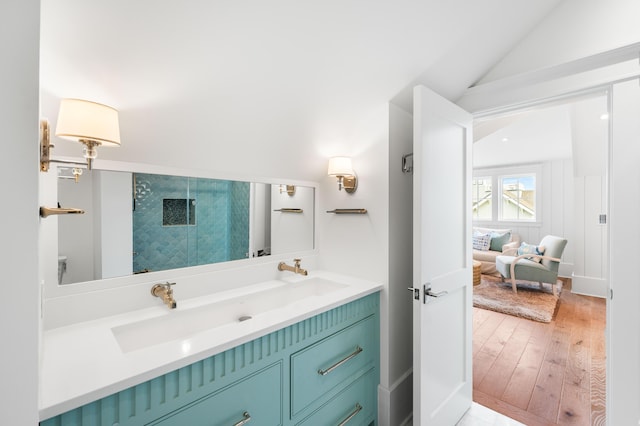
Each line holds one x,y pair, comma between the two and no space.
183,323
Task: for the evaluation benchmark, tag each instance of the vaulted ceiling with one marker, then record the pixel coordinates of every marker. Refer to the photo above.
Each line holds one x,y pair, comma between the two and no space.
280,72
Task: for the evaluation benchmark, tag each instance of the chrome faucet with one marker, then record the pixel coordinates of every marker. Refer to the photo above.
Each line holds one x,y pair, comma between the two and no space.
296,269
165,292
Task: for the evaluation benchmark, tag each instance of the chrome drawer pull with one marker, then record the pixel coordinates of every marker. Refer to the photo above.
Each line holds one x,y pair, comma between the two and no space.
339,363
246,418
352,415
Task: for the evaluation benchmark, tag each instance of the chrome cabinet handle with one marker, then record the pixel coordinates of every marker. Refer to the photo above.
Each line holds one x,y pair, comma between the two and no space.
339,363
246,418
352,415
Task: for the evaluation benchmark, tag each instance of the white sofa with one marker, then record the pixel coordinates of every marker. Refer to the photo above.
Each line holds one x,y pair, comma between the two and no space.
487,258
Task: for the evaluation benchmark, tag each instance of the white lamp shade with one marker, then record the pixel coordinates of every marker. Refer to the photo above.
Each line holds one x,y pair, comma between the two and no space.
340,166
79,119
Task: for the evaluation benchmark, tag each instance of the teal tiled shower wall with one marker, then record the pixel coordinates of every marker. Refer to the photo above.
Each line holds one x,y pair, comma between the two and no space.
220,232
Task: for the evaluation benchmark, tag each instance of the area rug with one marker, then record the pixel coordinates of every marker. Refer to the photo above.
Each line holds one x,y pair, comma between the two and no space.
530,302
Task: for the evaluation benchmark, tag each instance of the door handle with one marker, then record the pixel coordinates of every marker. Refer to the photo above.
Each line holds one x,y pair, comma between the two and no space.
427,292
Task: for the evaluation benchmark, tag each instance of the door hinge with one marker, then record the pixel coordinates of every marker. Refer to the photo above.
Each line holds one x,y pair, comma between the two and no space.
602,219
611,294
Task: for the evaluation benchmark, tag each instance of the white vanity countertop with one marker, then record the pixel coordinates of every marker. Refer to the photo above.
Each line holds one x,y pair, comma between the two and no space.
84,362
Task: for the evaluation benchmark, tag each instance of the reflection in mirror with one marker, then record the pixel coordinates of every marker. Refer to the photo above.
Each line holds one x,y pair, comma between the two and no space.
180,221
138,222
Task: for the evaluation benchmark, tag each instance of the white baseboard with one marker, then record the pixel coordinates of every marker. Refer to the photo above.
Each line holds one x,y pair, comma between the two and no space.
588,286
565,269
395,405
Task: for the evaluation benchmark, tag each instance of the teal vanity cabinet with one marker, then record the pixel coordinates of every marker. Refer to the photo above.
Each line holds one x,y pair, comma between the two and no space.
258,397
321,371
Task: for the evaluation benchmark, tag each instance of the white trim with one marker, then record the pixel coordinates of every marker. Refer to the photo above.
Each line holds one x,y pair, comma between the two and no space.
544,86
390,400
567,69
588,286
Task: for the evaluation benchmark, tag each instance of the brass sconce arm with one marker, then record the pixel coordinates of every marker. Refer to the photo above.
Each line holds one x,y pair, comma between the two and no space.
45,149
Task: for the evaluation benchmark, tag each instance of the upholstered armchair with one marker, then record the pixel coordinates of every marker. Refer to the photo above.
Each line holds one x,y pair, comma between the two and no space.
540,267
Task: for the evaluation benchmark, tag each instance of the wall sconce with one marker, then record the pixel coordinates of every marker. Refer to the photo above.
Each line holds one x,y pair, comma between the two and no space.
341,168
90,123
289,189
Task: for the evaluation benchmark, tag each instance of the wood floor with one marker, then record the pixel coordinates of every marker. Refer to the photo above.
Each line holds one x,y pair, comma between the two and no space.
543,374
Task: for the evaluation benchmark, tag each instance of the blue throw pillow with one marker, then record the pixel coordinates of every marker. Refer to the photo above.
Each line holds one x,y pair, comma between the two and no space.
481,241
531,249
498,240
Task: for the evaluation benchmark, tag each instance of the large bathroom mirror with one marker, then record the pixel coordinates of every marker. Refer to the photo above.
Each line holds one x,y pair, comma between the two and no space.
137,223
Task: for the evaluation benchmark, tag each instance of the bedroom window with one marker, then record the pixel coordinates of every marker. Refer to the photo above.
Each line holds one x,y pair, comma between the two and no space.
518,198
506,194
481,198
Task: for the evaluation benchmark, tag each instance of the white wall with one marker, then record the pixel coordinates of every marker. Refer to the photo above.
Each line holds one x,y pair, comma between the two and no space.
395,396
19,316
359,244
590,136
292,232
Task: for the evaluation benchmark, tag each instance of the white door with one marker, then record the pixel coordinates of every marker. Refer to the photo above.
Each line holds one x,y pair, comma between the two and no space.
442,273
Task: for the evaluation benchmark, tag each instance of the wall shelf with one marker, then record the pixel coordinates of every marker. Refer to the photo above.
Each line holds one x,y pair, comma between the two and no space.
289,210
348,211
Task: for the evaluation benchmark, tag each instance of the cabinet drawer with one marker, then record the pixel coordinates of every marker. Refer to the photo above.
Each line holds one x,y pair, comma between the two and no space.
319,368
354,406
258,396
